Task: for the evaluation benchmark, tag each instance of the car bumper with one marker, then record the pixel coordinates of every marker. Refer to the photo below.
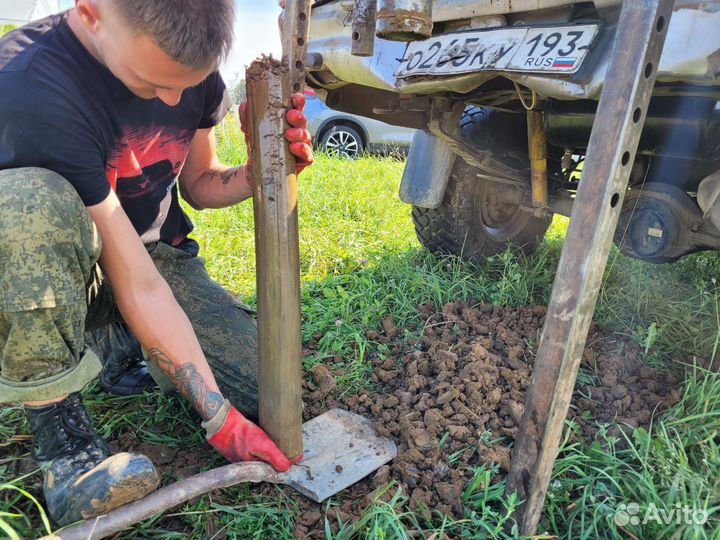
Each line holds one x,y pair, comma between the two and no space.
691,54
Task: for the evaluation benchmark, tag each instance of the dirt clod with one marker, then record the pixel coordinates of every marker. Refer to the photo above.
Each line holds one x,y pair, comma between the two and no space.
324,382
457,390
391,331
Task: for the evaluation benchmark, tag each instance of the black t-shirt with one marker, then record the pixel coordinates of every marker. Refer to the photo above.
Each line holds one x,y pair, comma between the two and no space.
62,110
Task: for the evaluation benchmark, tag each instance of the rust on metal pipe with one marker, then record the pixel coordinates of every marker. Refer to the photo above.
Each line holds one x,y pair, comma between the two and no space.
639,40
295,36
363,29
277,255
404,20
538,158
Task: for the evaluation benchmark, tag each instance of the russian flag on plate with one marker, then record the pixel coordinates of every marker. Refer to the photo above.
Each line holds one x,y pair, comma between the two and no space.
564,63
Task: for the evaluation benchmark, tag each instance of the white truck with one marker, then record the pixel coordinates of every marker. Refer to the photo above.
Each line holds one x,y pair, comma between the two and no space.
466,72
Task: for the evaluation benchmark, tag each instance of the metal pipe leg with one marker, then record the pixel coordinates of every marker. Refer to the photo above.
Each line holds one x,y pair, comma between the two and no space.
611,153
363,29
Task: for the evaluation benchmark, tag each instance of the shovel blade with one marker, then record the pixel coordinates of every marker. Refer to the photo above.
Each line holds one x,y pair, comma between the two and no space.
341,448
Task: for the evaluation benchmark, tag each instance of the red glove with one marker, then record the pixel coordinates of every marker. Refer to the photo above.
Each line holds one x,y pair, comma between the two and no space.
238,439
297,135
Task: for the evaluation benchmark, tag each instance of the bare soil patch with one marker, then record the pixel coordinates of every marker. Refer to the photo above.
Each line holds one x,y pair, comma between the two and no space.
443,397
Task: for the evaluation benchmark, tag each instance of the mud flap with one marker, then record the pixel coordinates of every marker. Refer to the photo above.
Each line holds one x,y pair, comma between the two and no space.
427,171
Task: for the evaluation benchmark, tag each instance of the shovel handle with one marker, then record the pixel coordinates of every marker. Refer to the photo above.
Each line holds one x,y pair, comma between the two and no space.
166,498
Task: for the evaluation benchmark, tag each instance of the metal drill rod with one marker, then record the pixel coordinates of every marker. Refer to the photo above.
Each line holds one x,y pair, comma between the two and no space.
270,86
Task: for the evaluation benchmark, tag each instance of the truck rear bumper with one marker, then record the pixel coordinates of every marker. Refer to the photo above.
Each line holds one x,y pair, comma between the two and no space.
691,55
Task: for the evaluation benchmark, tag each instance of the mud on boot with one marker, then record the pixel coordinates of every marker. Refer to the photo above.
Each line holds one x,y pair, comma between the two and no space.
82,478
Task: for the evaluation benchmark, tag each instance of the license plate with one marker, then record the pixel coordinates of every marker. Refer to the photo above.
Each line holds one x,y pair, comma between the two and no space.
537,49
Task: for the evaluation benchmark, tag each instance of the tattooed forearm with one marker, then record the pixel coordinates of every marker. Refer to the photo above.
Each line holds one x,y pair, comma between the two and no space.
190,384
225,176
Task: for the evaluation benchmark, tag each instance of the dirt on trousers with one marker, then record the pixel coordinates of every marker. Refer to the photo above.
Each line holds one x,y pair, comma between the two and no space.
448,394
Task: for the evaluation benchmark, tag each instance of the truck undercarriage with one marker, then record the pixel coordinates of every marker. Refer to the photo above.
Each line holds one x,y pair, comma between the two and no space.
426,84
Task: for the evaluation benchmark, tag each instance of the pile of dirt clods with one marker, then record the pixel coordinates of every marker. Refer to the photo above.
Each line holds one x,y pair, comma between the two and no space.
462,385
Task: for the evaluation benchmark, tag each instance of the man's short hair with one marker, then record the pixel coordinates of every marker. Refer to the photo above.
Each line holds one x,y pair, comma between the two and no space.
194,33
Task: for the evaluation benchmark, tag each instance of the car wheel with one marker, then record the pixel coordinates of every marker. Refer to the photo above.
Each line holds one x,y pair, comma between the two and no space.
479,219
342,141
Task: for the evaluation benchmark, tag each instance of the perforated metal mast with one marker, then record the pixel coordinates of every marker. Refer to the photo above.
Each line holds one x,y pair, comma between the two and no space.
611,152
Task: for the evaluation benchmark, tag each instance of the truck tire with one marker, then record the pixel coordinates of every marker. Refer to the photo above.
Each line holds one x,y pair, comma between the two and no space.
478,219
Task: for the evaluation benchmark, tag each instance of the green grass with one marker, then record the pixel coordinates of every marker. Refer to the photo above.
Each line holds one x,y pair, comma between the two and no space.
349,214
360,262
674,465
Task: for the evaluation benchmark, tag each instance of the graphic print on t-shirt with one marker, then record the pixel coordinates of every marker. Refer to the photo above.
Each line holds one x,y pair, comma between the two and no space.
143,170
89,128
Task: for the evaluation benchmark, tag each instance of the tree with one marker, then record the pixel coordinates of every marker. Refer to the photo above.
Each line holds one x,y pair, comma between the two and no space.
238,91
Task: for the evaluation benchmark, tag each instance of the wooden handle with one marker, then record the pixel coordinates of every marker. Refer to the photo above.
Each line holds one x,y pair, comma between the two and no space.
168,497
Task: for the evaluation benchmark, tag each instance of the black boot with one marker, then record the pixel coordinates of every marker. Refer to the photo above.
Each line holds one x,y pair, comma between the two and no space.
82,479
124,371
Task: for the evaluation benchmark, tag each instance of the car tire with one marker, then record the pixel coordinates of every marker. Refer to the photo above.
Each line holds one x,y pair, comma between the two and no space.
475,219
342,141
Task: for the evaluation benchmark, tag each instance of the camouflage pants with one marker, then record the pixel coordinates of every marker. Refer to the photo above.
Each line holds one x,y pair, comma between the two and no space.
51,291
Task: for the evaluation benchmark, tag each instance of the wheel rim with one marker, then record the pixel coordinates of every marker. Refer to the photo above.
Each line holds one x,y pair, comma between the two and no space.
497,214
500,212
342,143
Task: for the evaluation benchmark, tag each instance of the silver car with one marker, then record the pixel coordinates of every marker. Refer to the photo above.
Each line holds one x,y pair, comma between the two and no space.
350,135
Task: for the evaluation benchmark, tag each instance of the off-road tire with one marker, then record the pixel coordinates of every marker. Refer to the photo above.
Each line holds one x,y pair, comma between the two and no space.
461,224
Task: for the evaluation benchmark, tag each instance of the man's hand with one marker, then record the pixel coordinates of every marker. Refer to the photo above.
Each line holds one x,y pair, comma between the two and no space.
297,135
238,439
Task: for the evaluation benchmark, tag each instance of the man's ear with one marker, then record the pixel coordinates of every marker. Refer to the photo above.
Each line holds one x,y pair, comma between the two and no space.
89,14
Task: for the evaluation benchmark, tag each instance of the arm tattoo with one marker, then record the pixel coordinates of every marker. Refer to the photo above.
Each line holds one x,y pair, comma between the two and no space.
225,176
190,384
